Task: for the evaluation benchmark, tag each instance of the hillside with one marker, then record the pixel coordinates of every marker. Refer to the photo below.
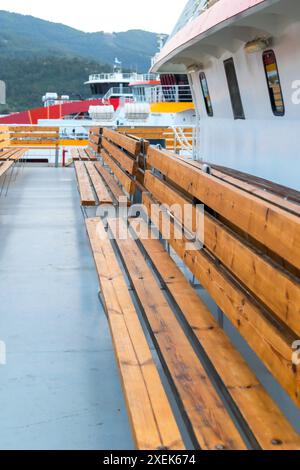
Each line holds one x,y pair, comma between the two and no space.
29,79
37,56
27,36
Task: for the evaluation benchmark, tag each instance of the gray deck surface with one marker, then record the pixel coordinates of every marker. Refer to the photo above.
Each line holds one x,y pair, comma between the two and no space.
60,388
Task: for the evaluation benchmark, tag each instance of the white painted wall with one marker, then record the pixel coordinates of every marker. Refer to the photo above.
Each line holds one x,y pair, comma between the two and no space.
263,145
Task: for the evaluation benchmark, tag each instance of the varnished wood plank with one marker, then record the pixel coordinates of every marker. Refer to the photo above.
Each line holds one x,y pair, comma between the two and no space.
30,129
34,143
131,145
94,147
17,156
83,156
90,154
5,167
251,268
113,186
35,135
151,417
7,153
211,424
126,162
99,186
262,415
272,345
4,144
86,193
266,195
275,228
125,180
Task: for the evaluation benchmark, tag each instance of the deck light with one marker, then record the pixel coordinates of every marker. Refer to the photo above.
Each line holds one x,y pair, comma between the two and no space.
257,45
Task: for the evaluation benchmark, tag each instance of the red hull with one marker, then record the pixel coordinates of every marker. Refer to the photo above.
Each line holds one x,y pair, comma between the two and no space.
59,111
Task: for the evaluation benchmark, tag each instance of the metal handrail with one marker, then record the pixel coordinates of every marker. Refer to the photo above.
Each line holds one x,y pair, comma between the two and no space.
130,77
165,94
119,91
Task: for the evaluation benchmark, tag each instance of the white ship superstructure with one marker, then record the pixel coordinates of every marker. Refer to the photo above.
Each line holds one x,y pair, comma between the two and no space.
242,59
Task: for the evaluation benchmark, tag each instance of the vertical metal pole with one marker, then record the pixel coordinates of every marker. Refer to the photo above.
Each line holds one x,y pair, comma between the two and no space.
56,156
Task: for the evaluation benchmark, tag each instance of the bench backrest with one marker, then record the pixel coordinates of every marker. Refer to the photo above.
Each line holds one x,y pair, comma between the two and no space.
250,263
34,136
4,137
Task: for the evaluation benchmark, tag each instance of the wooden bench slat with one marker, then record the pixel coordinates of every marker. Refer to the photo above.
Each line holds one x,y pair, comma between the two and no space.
250,188
6,154
271,345
211,424
113,186
275,228
17,156
263,416
152,420
83,156
99,186
91,156
33,129
253,270
125,180
86,193
131,145
126,162
5,167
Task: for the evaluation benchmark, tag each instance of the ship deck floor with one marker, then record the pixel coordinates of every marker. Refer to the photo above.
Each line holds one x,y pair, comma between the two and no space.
60,388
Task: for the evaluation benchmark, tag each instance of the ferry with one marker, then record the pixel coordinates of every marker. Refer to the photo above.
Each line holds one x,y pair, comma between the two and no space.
150,252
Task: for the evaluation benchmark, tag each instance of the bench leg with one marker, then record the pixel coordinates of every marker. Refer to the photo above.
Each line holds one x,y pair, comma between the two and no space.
10,179
221,318
101,299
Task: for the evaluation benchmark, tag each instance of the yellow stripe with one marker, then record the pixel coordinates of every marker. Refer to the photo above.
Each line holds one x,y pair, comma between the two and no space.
171,107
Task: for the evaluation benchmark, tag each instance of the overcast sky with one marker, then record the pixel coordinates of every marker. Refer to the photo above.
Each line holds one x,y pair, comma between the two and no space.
103,15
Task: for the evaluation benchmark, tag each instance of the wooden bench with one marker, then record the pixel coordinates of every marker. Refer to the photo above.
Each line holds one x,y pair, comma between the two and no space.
206,373
153,423
90,154
116,191
100,189
87,196
235,267
244,267
5,167
95,137
34,136
4,137
10,159
96,186
120,163
80,154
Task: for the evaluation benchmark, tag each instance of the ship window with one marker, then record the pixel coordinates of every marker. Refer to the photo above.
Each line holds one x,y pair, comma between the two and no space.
206,94
234,91
273,82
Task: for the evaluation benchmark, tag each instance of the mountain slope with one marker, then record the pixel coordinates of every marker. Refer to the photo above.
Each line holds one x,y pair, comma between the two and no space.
26,36
28,79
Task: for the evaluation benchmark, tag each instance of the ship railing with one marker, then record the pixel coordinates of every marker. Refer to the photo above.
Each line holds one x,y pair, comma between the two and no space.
118,91
165,94
130,77
181,140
